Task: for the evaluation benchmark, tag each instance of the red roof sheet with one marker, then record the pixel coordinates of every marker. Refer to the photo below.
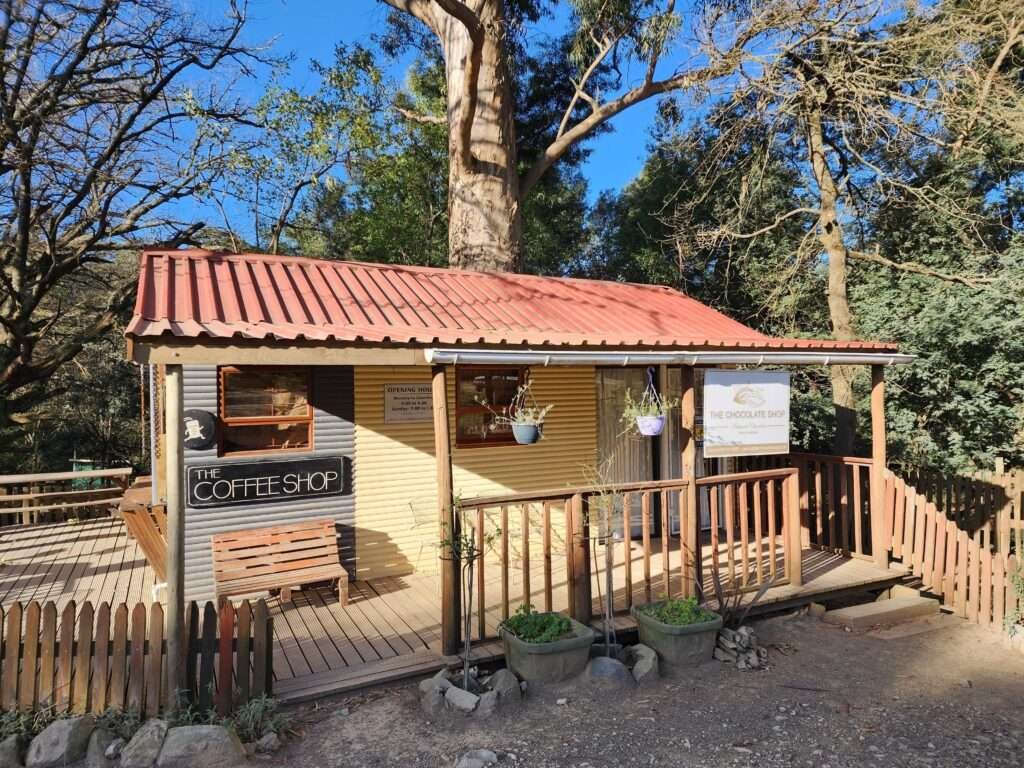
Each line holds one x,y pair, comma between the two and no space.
195,294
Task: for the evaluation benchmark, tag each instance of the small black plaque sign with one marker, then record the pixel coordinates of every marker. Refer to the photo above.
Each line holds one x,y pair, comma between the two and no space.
221,485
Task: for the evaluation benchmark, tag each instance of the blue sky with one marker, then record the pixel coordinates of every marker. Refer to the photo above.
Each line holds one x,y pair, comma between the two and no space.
310,30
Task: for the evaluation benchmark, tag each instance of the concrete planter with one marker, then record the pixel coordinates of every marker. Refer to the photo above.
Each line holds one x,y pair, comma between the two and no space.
678,647
546,663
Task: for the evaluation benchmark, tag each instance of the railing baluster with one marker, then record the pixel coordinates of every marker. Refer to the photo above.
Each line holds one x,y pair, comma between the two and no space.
730,531
547,555
481,597
505,565
772,565
744,534
627,538
525,522
645,513
758,539
666,540
819,528
713,506
858,511
844,508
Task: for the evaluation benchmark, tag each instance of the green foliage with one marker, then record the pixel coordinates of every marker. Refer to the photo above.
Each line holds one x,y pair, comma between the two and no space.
25,724
122,725
678,612
649,404
532,627
256,718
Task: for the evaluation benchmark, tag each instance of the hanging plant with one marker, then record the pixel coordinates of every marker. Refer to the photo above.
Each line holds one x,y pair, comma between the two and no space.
647,415
522,414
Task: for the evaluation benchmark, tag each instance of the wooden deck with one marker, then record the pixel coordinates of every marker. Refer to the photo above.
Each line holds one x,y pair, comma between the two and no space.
391,626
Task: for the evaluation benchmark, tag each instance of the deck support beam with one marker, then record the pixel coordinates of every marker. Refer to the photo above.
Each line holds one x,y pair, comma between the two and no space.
175,454
879,539
451,598
689,514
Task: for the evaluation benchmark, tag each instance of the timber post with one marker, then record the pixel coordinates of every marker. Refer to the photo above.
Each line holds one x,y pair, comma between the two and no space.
451,598
175,457
581,601
879,538
689,516
794,528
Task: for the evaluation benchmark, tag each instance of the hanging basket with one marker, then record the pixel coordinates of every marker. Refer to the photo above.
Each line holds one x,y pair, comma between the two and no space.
526,434
650,426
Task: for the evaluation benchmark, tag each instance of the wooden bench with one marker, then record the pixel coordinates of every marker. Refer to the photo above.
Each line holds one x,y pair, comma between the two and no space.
279,557
147,524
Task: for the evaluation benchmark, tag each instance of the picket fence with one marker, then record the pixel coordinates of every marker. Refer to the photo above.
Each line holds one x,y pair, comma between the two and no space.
962,539
116,658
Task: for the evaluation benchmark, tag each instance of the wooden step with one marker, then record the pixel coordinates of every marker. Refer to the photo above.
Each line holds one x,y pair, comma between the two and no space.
883,612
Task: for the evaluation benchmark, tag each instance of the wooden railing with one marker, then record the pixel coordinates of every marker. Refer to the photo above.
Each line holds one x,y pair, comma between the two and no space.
756,516
87,660
57,496
955,558
835,499
550,549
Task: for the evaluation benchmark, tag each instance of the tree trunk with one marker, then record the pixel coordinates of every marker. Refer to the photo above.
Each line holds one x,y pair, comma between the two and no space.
830,235
484,216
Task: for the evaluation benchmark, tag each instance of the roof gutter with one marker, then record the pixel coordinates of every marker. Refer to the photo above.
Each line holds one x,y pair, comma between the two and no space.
456,356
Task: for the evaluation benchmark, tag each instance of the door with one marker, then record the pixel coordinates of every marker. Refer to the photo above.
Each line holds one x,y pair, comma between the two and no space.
623,457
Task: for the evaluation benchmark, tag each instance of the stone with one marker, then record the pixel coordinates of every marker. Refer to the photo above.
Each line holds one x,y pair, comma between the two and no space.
643,661
11,750
96,752
561,702
268,743
505,683
487,704
114,749
609,673
435,684
61,743
460,700
816,610
432,702
144,747
477,758
201,746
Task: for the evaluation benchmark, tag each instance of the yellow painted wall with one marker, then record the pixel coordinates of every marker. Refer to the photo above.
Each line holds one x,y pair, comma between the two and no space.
395,472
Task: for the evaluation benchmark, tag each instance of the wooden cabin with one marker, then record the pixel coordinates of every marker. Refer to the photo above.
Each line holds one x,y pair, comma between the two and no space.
293,389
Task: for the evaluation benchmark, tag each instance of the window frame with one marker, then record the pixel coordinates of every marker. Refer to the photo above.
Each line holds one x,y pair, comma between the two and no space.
523,373
252,421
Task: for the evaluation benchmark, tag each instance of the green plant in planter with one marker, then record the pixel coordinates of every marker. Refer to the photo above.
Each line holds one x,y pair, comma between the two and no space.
532,627
523,410
646,416
1013,622
678,612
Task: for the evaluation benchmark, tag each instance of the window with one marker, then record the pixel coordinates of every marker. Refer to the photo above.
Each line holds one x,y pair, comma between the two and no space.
265,409
474,422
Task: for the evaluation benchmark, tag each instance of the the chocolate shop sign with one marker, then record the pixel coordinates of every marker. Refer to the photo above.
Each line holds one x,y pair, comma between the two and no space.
219,485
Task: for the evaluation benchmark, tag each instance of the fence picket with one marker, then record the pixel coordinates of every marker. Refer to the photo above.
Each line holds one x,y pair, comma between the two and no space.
64,657
154,663
83,655
119,658
242,665
207,651
136,661
101,659
12,650
27,686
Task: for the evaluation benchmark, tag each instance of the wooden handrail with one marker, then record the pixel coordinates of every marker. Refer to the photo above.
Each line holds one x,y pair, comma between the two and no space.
829,458
569,492
762,474
46,477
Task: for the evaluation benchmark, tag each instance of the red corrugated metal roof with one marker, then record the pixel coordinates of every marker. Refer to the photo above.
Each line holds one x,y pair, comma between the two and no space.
196,294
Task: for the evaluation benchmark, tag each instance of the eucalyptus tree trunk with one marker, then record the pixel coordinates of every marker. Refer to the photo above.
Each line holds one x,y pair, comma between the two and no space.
484,215
830,235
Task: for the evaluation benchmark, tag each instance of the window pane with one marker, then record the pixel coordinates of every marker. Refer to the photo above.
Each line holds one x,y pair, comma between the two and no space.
503,388
263,437
480,428
265,393
472,387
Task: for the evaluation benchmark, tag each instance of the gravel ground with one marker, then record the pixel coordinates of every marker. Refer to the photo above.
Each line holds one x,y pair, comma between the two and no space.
930,694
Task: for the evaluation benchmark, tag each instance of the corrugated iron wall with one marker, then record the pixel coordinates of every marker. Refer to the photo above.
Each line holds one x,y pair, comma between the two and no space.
333,435
395,472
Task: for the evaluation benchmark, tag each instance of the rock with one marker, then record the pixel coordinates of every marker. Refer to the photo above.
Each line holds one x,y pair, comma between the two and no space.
644,663
61,743
435,684
460,700
11,750
965,683
477,758
96,752
487,704
432,702
724,655
201,746
609,673
505,683
268,743
114,749
144,748
562,702
816,610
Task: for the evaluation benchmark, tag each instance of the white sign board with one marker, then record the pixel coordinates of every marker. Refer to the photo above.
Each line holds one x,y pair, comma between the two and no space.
746,413
407,403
